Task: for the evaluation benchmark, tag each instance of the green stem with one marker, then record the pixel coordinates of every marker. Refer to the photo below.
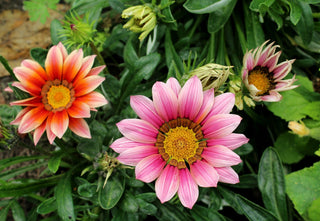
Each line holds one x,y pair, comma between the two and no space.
99,57
196,24
316,14
241,36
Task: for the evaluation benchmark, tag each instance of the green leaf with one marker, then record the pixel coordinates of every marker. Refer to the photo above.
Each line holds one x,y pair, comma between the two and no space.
129,204
231,198
168,17
295,11
4,212
171,55
313,211
276,17
220,15
271,183
17,212
305,25
254,31
7,67
146,208
90,147
64,199
39,55
87,189
54,162
55,29
256,5
38,9
111,86
247,181
200,213
47,206
110,195
303,187
205,6
253,211
15,160
19,189
292,148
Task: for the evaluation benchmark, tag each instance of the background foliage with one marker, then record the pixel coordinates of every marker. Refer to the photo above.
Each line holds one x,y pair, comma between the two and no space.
279,176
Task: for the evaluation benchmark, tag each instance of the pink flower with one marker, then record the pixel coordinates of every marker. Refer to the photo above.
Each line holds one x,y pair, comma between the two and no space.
183,140
262,74
61,95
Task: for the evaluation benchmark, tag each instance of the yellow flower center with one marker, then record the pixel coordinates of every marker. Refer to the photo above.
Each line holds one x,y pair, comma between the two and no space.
261,79
57,95
180,141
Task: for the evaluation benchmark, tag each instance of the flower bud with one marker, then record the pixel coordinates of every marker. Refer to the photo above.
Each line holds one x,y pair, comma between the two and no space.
299,128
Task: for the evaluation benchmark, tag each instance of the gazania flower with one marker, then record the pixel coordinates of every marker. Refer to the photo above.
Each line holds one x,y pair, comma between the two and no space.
263,76
61,95
183,140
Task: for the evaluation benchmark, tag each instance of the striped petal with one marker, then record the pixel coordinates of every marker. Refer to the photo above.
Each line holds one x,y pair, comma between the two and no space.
174,85
93,99
231,141
59,123
190,98
144,108
87,85
79,109
20,115
50,135
134,155
80,127
38,132
124,143
188,191
204,174
28,102
33,119
148,169
86,66
30,80
72,65
54,63
96,70
220,156
138,130
167,183
63,50
165,101
208,100
220,125
36,67
227,175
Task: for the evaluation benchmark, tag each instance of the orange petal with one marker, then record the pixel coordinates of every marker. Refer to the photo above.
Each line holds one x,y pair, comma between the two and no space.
53,63
96,70
50,135
33,119
63,50
36,67
32,102
79,109
38,132
21,87
87,85
72,65
30,79
87,63
59,123
20,116
93,99
80,127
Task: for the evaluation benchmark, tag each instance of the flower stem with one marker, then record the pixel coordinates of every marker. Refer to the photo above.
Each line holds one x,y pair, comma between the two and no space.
99,57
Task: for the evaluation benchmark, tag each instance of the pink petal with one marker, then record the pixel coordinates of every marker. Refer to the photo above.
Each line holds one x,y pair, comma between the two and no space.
282,69
167,183
208,100
231,141
29,102
96,70
36,67
80,127
33,119
8,89
79,109
220,156
174,85
87,85
248,61
138,130
86,66
190,98
223,104
59,123
188,191
204,174
144,108
63,50
148,169
54,63
93,99
220,125
266,52
21,87
50,135
72,65
272,61
165,101
227,175
134,155
124,143
30,80
272,97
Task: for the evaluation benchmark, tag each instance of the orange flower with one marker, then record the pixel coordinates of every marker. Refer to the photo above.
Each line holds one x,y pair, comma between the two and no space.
62,94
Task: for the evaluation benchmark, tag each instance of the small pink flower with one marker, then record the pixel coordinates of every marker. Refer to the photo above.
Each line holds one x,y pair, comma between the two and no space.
61,95
183,140
262,74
